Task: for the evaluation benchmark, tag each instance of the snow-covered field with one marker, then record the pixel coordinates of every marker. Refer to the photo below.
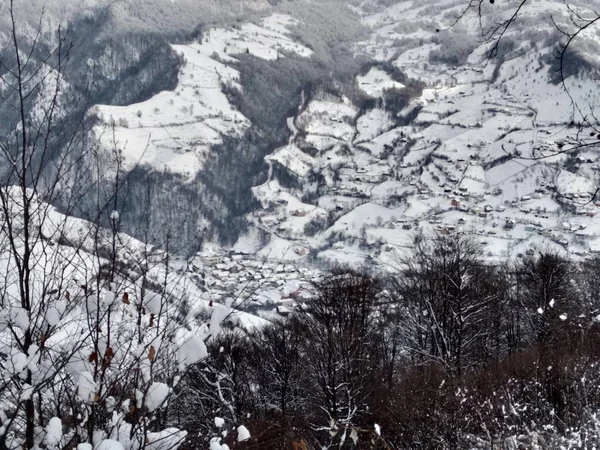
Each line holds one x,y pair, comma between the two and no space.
174,130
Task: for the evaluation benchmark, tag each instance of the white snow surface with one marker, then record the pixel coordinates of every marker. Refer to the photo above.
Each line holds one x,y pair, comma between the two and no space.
242,433
53,432
192,351
157,396
109,444
376,81
86,387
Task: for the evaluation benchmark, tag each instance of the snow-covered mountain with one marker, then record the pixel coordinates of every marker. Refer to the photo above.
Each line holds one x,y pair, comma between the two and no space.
337,132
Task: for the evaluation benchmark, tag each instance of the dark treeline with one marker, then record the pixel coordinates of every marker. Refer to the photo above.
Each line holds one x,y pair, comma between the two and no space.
450,352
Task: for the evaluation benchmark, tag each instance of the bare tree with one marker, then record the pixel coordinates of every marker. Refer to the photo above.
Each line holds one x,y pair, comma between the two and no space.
39,287
445,298
340,327
279,369
547,294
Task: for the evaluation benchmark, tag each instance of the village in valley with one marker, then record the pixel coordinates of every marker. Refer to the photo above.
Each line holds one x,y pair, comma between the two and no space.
423,147
262,287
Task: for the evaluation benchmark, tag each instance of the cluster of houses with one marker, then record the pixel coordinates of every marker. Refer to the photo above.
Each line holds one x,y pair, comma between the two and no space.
260,285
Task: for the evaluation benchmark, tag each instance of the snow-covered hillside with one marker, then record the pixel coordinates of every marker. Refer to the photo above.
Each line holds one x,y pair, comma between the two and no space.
174,130
482,156
100,318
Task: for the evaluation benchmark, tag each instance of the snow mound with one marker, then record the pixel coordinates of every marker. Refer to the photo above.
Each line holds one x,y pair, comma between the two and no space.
157,395
192,351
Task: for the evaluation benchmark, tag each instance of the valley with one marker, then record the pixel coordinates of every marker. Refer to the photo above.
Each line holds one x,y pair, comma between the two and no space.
475,151
481,156
429,137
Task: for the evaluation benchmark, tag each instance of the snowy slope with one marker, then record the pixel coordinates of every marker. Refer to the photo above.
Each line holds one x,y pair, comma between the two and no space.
480,157
174,130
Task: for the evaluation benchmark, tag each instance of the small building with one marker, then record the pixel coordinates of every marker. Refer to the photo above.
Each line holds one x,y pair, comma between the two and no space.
283,310
488,208
509,224
455,202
